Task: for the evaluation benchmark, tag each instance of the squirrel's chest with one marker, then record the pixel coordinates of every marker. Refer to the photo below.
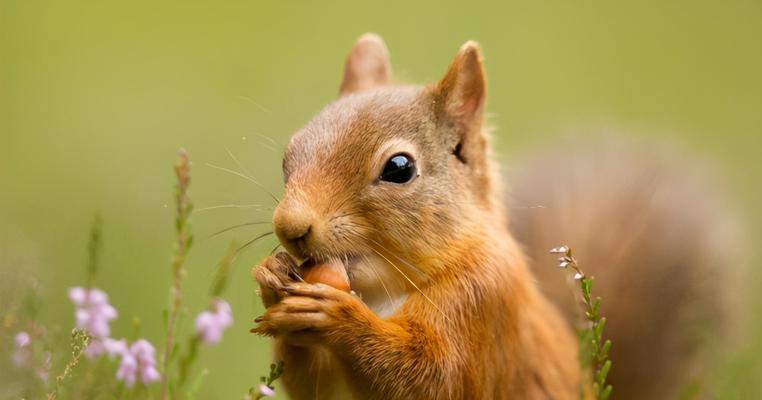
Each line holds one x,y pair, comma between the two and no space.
384,307
382,288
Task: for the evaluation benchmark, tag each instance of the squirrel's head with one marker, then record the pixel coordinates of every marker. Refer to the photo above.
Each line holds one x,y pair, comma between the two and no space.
390,171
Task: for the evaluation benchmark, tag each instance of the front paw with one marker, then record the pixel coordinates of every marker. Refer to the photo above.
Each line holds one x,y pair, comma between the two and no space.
273,274
313,313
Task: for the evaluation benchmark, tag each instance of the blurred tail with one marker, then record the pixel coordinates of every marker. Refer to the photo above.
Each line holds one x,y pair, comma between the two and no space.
658,239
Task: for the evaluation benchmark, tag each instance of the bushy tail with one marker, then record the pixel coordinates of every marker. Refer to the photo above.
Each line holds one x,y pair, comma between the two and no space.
657,237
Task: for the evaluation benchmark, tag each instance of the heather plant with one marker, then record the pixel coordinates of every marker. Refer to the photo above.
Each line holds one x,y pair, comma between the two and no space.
103,364
265,387
80,340
593,349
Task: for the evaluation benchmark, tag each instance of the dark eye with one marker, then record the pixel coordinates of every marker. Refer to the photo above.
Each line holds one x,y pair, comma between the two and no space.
399,169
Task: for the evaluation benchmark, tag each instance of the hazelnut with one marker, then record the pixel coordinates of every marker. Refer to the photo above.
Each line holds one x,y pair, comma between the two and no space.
331,273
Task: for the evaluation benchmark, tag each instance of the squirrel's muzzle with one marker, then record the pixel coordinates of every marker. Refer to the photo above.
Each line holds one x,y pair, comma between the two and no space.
293,223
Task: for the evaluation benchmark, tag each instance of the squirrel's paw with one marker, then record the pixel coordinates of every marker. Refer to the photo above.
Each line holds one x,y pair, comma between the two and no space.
311,313
273,274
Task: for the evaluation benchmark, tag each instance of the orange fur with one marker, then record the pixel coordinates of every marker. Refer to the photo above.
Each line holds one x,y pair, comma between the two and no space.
444,305
472,324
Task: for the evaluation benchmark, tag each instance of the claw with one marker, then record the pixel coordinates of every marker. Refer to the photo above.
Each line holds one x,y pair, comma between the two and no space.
258,330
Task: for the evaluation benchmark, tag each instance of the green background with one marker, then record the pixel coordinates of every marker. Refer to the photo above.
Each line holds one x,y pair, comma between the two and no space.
97,96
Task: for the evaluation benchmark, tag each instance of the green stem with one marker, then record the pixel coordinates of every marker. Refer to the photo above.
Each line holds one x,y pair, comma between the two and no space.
184,240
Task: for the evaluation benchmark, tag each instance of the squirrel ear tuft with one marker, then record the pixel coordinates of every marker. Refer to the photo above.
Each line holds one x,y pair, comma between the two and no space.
367,65
462,91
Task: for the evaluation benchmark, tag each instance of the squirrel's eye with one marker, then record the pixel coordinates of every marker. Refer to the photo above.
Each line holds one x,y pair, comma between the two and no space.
399,169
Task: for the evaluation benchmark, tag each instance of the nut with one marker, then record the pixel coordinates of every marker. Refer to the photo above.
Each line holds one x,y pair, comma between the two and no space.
331,273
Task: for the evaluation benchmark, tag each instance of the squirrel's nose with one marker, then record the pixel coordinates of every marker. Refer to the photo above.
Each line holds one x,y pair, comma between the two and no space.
293,225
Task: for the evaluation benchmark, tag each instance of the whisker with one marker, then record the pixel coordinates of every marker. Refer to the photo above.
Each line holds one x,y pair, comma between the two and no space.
259,106
378,276
230,228
268,138
411,282
233,206
351,213
274,248
409,264
238,163
267,146
371,209
249,174
268,143
248,178
252,241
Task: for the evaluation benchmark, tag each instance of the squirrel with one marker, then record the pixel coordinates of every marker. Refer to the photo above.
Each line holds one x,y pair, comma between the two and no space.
398,184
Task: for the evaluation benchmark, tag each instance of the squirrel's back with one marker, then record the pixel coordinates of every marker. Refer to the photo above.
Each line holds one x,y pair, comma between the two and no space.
647,224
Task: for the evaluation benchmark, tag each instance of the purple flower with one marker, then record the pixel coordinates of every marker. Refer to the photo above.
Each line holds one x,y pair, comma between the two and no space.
109,346
138,362
22,339
93,313
211,324
43,371
22,354
266,391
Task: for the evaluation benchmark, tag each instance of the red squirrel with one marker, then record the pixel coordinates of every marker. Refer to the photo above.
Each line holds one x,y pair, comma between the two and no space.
397,184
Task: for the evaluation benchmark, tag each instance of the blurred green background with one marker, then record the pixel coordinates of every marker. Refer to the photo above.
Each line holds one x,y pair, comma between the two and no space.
97,96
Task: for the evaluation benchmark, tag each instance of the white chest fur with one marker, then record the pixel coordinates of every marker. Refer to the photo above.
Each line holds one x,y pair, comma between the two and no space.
381,287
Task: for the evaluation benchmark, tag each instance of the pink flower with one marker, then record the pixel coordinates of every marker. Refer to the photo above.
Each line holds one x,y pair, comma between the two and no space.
266,391
22,355
115,347
211,324
93,313
22,339
109,346
43,371
138,362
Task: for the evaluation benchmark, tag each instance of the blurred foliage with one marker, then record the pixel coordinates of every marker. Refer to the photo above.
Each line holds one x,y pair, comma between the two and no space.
95,98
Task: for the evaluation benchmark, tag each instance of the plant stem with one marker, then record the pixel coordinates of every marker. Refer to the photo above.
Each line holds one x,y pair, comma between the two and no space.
184,240
594,350
79,342
93,250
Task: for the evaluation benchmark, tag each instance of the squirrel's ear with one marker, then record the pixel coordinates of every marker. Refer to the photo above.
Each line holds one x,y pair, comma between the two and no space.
367,65
462,91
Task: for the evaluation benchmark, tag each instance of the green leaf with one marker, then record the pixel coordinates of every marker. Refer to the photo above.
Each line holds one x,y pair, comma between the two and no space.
587,287
604,372
606,393
596,306
599,328
604,353
196,385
